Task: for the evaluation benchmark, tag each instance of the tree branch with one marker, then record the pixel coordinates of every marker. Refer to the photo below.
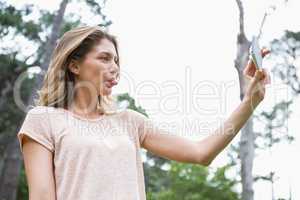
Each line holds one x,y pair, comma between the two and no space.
241,20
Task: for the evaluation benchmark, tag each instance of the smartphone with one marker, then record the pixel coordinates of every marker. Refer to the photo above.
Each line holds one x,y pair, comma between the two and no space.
255,53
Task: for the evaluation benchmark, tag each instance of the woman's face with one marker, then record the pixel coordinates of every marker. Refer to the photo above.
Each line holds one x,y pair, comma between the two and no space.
98,71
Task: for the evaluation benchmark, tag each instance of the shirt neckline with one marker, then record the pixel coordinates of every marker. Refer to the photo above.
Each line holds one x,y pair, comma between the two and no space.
81,117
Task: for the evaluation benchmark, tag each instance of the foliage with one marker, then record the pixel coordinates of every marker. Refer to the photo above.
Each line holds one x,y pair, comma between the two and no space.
194,182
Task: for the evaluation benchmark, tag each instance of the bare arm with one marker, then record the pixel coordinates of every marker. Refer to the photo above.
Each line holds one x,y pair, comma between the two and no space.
38,162
214,144
204,151
200,152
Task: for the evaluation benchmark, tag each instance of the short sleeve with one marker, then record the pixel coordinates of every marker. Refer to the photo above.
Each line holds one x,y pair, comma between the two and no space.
142,124
36,125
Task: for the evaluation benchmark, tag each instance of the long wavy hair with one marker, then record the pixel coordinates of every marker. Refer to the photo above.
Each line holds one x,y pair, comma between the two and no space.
59,82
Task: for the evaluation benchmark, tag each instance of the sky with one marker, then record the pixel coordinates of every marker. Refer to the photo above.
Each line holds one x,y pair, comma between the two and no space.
174,51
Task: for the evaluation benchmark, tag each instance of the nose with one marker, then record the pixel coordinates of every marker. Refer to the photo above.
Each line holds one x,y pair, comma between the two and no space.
114,68
114,71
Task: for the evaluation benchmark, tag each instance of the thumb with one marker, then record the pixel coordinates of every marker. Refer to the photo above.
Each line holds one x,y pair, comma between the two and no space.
258,76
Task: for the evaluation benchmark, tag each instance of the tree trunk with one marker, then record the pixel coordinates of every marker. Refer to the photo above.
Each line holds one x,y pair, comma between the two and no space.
4,141
11,169
57,23
13,160
247,139
247,157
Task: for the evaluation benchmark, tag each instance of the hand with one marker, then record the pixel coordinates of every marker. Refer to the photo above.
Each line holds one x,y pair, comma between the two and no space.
250,69
255,91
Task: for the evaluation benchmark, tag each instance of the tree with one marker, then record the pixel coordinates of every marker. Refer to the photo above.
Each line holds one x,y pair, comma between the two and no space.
13,161
286,53
246,145
193,182
278,114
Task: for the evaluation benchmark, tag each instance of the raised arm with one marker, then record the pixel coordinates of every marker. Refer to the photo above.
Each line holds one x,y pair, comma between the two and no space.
204,151
38,163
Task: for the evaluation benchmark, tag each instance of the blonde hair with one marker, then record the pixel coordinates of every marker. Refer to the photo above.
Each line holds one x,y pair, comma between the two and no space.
59,81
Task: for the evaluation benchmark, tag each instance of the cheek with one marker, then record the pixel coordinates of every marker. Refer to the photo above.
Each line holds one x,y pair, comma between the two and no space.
92,72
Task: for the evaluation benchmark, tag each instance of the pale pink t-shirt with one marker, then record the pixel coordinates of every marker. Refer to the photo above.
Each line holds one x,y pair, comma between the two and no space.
94,159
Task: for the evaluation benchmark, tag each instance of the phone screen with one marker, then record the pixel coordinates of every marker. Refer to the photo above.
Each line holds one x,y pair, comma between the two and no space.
255,53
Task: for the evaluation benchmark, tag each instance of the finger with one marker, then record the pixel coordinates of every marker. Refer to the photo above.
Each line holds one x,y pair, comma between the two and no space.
258,76
264,52
257,82
250,69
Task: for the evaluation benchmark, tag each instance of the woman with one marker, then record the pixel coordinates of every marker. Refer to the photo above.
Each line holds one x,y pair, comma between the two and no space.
76,144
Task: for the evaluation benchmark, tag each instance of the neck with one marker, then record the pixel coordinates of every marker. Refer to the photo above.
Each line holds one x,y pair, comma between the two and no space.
84,102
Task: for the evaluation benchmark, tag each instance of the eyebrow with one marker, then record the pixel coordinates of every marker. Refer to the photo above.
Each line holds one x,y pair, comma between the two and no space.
108,52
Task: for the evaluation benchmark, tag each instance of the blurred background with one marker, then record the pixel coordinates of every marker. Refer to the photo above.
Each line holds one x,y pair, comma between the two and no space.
181,64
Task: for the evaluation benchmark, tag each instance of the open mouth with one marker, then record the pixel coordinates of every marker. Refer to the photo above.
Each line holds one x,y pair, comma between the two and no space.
111,83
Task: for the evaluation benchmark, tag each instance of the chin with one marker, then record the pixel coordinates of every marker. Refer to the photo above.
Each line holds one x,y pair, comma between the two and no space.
107,92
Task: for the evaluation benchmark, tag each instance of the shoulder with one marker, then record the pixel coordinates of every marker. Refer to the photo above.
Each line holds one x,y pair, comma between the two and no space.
43,114
43,110
37,126
135,116
134,113
37,111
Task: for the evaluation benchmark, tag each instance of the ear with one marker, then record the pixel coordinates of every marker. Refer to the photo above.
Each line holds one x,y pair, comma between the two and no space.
74,67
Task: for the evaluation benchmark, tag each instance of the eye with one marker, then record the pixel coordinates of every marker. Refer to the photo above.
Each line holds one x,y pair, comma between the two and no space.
105,58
